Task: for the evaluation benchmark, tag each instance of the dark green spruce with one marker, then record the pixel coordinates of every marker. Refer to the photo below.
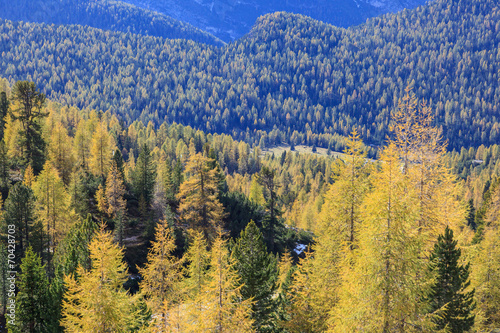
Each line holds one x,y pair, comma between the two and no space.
258,271
29,113
33,300
449,298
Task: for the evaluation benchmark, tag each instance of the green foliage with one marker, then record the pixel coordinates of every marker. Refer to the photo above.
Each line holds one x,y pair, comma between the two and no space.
144,179
33,303
272,224
73,251
29,101
240,212
258,272
450,298
107,15
288,65
20,211
4,109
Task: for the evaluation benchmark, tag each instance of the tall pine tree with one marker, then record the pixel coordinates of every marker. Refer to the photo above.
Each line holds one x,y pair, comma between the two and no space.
258,272
449,297
28,105
33,302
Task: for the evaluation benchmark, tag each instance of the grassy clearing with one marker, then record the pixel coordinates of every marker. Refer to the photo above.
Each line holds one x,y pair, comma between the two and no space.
278,150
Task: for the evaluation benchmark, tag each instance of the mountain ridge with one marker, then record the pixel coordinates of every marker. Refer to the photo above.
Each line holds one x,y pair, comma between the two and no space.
104,14
231,19
292,79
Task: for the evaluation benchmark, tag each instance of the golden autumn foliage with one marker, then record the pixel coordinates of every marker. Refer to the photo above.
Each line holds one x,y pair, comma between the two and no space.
222,309
101,150
199,205
52,204
161,284
95,300
390,254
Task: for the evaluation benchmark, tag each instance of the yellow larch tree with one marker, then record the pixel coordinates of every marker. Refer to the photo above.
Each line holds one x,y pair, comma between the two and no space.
115,190
11,138
256,192
317,278
485,277
95,301
223,309
116,205
421,148
29,177
197,256
199,205
101,200
384,287
101,151
161,284
52,205
60,151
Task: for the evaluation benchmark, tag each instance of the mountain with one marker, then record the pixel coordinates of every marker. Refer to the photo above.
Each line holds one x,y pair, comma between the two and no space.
291,79
231,19
103,14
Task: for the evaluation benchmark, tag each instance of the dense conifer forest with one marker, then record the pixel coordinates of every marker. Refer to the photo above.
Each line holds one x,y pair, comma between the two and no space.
291,79
106,15
162,185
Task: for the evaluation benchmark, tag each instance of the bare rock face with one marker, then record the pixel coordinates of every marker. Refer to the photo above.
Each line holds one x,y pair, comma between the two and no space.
231,19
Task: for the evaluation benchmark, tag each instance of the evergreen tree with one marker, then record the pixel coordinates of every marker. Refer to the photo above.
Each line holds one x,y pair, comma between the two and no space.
471,214
143,180
82,144
20,211
272,224
4,110
79,191
177,176
33,306
30,101
4,167
4,282
448,297
73,251
118,159
258,272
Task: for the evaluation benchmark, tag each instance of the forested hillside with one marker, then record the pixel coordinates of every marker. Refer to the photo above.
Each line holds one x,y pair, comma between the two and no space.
296,79
231,19
210,228
103,14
